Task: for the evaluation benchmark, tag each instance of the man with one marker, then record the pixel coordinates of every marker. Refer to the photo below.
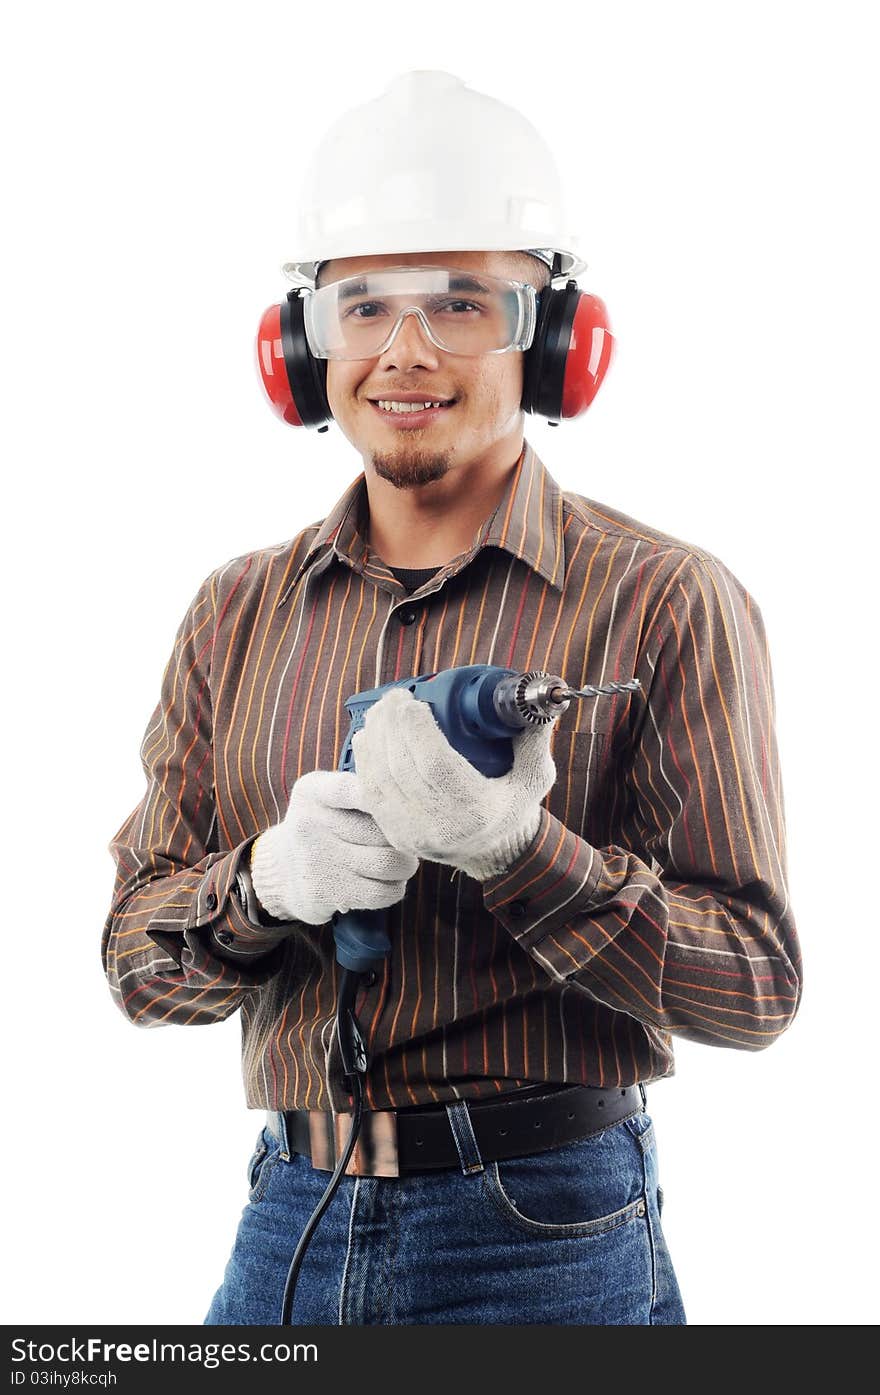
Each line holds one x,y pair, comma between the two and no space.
629,883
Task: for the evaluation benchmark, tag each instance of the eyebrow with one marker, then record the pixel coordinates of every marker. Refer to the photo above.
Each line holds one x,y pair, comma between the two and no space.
349,292
460,282
467,283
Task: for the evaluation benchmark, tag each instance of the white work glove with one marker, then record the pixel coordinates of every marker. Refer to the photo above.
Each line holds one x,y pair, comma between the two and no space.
431,802
327,854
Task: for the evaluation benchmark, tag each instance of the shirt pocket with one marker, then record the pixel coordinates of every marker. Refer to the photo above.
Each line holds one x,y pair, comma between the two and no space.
581,765
587,749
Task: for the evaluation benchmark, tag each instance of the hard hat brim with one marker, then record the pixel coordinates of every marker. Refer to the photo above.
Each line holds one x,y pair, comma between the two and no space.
429,239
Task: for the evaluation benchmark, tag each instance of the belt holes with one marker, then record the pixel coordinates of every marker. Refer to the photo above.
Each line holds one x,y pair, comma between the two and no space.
571,1116
623,1092
537,1124
601,1104
502,1133
419,1142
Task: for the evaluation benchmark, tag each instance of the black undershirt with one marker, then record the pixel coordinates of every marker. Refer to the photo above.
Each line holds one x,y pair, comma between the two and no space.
411,578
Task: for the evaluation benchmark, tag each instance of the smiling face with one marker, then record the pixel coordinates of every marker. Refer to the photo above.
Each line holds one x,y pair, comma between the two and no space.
481,420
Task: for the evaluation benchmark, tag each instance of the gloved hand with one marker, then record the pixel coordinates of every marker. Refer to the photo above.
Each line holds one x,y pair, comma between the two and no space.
327,854
431,802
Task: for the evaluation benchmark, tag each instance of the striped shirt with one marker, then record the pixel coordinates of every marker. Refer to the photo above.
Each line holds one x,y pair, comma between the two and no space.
652,901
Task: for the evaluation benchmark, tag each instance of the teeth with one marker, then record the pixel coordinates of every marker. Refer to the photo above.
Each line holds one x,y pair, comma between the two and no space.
388,405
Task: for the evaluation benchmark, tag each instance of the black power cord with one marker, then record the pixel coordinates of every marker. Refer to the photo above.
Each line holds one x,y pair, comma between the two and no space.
354,1062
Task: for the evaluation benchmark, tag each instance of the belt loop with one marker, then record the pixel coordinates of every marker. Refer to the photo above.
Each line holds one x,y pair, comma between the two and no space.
278,1125
643,1095
465,1140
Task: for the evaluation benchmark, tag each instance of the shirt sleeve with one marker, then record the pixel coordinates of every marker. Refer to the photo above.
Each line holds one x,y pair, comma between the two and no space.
178,945
685,923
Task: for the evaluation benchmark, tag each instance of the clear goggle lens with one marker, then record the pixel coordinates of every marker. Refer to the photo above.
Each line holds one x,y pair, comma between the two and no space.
463,312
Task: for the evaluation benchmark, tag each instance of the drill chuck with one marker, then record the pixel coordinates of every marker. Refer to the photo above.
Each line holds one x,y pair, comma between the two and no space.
525,699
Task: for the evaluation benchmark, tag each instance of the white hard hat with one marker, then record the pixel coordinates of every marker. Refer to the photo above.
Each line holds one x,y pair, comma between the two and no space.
430,165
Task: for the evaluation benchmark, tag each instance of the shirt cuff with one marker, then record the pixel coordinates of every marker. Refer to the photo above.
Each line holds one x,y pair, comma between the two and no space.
227,903
551,880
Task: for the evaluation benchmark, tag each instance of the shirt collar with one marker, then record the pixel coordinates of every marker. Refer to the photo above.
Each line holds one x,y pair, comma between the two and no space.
526,523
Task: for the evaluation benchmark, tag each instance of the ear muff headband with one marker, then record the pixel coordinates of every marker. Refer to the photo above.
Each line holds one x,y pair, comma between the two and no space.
562,370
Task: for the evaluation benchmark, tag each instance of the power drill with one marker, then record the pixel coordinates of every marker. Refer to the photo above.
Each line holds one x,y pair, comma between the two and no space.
478,708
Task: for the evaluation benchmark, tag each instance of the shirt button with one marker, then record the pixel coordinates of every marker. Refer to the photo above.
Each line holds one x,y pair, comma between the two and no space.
407,615
517,908
211,901
225,937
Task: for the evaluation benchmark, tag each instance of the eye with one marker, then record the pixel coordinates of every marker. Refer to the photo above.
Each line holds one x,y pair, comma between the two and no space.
367,305
452,304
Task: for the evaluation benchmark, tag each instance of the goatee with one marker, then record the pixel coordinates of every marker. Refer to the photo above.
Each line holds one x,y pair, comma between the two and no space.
407,468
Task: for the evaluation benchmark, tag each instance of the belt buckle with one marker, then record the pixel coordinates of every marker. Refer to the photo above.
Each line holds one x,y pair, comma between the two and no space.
375,1153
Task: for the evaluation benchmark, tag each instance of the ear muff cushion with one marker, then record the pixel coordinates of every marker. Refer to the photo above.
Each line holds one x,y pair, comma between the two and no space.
535,355
545,361
307,374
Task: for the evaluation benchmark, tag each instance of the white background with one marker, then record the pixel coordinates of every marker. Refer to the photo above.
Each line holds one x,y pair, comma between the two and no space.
721,168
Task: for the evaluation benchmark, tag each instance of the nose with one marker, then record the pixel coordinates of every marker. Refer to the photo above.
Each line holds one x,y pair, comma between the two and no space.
409,344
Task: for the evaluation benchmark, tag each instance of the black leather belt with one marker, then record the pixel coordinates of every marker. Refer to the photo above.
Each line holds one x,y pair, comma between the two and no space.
395,1142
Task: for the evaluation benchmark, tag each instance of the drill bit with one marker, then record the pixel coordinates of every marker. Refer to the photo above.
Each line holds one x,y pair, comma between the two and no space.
592,690
521,699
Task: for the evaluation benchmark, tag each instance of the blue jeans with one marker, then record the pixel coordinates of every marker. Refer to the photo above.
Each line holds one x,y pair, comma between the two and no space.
570,1236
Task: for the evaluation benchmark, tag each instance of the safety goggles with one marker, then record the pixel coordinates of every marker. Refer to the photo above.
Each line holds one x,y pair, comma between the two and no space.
463,312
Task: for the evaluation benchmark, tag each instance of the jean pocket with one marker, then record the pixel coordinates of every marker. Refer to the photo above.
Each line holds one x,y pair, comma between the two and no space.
263,1160
581,1189
641,1126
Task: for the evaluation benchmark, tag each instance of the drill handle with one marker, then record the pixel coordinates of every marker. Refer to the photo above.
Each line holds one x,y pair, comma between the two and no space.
361,938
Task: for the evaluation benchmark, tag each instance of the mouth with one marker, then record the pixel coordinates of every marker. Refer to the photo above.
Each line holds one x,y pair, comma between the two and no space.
407,415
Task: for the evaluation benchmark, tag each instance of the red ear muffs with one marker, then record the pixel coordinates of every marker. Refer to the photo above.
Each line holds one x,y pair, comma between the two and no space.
295,381
569,355
562,371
